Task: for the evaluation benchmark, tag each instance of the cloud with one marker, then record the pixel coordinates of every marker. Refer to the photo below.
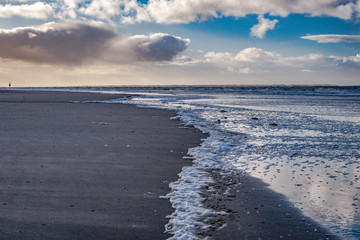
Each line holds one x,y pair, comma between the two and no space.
159,47
256,55
66,43
260,66
38,10
248,60
357,9
148,48
218,57
352,62
333,38
247,55
259,30
185,11
74,43
256,60
180,11
69,8
102,9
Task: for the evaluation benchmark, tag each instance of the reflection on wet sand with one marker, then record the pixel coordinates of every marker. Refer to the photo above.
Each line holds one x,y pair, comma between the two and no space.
324,191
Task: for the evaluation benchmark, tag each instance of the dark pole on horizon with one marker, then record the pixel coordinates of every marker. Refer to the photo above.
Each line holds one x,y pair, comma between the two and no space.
9,85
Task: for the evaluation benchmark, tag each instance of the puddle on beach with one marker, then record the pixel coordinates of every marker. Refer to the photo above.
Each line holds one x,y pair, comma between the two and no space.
327,192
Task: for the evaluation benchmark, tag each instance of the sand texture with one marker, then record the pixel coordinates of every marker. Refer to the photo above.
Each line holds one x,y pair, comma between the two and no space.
86,171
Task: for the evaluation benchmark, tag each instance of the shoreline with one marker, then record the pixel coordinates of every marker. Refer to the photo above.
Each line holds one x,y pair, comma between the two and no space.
87,170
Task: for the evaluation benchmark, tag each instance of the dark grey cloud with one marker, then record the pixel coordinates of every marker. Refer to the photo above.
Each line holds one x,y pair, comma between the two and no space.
55,43
74,43
164,48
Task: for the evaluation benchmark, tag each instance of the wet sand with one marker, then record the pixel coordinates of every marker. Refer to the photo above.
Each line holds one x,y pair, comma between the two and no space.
254,211
86,171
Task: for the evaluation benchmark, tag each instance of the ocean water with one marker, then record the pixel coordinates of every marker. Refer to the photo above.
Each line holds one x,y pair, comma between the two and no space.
303,141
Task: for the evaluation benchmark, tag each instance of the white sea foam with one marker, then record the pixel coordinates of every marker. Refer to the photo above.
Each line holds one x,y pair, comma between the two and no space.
303,141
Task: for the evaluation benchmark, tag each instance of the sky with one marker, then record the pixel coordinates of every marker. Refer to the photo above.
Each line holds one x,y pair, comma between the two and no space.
179,42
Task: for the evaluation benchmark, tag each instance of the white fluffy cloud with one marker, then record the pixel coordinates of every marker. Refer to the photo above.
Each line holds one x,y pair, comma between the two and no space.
333,38
102,9
74,43
185,11
259,30
247,55
256,55
38,10
256,60
69,8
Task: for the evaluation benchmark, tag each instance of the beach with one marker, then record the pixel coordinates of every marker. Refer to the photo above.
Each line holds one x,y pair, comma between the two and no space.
86,171
76,170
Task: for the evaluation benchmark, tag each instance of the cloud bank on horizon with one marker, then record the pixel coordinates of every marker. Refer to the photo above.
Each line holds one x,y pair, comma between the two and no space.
81,33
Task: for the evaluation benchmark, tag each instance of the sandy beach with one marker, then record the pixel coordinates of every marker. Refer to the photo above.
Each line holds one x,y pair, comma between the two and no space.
97,171
86,171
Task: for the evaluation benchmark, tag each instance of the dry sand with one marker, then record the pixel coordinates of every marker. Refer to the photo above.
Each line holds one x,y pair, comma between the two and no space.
86,171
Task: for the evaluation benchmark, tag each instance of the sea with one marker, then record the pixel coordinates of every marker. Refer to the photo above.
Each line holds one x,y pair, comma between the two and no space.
304,141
